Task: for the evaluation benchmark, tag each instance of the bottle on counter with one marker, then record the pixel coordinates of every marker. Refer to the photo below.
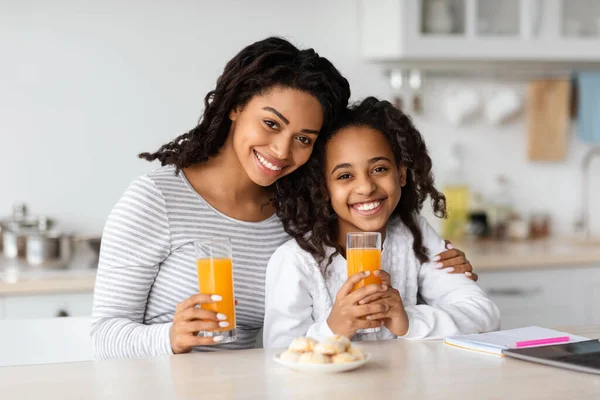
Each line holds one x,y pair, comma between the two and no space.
458,195
501,207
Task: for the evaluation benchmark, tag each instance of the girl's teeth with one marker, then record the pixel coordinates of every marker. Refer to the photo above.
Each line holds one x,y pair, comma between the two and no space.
267,164
368,206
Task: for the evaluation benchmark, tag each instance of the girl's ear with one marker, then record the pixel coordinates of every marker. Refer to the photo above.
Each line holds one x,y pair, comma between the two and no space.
403,171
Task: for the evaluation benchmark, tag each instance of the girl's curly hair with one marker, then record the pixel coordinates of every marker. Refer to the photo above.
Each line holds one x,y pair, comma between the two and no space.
254,70
302,200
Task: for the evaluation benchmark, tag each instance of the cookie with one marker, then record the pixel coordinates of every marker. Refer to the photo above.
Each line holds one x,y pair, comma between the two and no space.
303,344
343,358
289,355
314,358
329,347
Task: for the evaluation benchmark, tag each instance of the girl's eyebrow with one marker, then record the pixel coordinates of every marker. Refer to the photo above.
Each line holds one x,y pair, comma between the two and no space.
376,159
340,166
370,161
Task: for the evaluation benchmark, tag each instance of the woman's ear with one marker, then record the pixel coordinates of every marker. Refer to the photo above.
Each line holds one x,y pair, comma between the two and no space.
403,171
233,114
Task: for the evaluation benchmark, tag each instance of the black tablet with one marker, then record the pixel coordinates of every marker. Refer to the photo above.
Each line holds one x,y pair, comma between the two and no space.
582,356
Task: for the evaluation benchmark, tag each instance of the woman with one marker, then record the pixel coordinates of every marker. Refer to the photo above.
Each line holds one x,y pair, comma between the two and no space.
259,124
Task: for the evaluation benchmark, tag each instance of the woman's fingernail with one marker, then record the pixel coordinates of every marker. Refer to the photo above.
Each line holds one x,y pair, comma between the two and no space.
369,317
451,269
362,302
218,339
439,265
436,258
384,287
449,246
468,273
222,317
366,273
224,324
216,297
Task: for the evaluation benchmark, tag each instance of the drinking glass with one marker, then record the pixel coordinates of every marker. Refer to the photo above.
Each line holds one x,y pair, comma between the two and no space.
215,276
363,252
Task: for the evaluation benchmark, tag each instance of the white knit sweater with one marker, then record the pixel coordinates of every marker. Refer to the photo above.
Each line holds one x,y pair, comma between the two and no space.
299,298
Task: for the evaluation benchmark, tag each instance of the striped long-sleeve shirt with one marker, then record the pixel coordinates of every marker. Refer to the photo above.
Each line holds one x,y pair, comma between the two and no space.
147,266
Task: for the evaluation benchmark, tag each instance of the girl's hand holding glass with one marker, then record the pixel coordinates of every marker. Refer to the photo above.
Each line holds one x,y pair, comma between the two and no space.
394,317
347,315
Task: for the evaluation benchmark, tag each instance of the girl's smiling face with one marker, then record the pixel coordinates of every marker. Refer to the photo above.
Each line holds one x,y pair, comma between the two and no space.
363,179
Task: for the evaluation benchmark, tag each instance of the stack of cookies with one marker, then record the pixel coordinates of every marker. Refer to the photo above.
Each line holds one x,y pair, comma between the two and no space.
334,350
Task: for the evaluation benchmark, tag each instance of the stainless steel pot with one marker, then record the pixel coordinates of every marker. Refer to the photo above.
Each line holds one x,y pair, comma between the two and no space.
13,231
46,246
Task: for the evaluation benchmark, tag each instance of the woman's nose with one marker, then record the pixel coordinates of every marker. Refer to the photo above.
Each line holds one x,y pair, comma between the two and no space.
281,148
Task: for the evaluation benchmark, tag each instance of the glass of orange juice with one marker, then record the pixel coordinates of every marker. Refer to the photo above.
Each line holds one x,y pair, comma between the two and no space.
215,276
363,252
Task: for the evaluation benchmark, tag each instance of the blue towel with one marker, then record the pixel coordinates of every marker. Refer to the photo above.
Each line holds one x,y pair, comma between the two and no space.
588,113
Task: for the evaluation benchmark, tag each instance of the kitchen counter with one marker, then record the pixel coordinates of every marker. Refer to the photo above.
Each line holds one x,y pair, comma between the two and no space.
78,275
398,369
540,254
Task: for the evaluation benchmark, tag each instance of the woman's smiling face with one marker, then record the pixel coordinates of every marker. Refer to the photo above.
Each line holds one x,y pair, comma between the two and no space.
363,179
274,134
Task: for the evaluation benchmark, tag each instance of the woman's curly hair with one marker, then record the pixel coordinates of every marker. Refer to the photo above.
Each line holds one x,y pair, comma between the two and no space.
254,70
302,200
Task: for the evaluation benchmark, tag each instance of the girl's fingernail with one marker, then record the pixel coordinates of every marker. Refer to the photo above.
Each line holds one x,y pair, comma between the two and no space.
221,317
436,258
362,302
449,246
451,269
439,265
224,324
468,273
218,339
366,273
369,317
384,287
216,297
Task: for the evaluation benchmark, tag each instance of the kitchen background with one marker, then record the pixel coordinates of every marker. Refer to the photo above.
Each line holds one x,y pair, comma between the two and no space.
85,86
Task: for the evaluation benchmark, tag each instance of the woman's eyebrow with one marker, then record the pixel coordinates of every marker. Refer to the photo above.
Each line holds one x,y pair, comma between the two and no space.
287,121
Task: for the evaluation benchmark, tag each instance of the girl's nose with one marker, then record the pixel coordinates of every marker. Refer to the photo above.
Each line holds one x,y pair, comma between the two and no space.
365,186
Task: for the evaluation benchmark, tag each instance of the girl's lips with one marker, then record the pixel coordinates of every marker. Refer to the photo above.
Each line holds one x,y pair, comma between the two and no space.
371,212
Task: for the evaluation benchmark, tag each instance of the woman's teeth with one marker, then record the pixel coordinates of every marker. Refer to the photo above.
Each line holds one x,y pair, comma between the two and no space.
267,164
367,206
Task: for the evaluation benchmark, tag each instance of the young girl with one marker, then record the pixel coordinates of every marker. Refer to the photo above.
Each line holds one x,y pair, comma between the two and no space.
372,175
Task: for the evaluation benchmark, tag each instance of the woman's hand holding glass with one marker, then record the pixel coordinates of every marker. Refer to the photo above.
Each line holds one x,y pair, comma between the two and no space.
190,319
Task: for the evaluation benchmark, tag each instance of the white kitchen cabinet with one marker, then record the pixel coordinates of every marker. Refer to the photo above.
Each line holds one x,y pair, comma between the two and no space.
474,30
48,305
546,297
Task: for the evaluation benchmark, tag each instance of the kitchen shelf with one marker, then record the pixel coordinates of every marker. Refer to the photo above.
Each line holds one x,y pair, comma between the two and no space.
519,31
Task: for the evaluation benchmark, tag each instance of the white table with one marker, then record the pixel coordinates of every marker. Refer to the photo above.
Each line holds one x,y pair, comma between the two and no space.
398,370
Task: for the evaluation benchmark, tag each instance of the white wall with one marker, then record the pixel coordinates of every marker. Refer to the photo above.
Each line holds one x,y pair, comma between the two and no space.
86,85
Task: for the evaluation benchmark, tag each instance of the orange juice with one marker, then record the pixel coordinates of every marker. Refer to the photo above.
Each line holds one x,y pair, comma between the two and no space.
360,260
215,276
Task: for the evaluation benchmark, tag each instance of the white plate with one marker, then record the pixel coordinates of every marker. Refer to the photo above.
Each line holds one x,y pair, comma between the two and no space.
322,368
